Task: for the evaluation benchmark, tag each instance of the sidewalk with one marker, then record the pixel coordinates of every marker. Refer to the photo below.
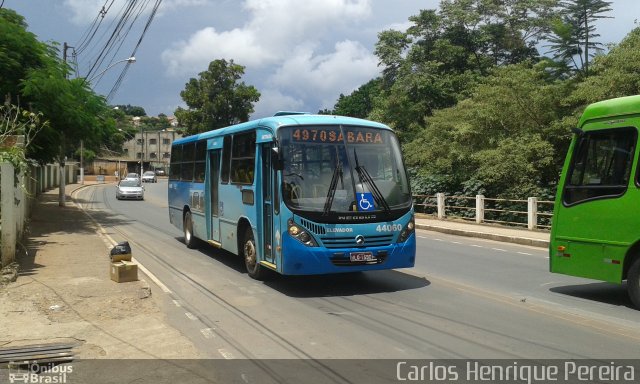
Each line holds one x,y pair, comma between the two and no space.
485,231
64,294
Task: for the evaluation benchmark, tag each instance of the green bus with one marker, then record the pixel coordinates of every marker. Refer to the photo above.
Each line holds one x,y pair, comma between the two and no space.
596,222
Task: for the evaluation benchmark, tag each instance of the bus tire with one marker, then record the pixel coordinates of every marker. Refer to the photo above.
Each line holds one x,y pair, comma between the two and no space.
633,282
250,256
187,226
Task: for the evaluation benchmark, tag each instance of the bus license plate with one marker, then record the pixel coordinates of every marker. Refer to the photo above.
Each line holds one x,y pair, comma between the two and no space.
361,256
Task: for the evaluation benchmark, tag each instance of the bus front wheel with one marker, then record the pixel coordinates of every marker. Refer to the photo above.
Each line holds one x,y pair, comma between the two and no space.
633,282
187,226
250,255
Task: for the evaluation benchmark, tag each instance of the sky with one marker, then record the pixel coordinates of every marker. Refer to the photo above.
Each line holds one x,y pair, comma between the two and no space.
299,54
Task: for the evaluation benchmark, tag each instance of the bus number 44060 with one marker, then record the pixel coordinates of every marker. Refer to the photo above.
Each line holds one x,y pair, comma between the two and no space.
389,228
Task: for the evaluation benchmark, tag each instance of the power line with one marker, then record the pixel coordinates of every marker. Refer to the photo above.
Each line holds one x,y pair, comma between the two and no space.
124,71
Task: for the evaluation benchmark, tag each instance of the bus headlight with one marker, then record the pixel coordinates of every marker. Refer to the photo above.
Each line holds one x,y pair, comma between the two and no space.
298,233
407,230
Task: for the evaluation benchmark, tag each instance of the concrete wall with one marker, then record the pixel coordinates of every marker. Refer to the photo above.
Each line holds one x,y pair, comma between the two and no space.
17,199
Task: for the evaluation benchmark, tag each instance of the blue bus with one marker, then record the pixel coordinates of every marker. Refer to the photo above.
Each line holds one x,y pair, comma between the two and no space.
296,193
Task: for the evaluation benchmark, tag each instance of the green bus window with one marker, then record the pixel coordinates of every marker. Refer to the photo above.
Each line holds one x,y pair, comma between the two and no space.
600,165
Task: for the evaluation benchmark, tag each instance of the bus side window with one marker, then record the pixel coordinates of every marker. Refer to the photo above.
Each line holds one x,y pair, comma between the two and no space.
200,161
243,158
188,157
226,159
175,169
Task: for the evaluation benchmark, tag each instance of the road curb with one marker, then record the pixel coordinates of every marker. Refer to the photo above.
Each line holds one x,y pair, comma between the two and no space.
489,236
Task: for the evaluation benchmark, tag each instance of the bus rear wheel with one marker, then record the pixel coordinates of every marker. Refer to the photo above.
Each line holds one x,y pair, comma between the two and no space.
633,282
250,255
187,226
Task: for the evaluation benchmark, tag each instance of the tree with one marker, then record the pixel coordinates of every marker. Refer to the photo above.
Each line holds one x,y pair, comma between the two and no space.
573,32
131,110
34,76
20,52
612,75
216,99
442,55
359,103
506,135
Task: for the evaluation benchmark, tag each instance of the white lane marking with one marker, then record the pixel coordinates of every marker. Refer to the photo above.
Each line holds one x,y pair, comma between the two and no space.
475,245
191,316
176,303
208,333
153,277
226,354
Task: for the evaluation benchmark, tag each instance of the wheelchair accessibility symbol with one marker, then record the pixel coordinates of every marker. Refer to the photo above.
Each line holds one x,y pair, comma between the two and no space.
365,202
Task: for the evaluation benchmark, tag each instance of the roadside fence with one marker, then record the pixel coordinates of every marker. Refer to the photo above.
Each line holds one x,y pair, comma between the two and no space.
532,213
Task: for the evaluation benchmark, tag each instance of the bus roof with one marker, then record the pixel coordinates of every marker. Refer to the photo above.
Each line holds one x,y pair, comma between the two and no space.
620,106
275,122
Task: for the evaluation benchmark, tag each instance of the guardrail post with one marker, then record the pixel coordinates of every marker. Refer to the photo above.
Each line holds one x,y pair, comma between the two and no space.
479,209
532,211
9,235
440,200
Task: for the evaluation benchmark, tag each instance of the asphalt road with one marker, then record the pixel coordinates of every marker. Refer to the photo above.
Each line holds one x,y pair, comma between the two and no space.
465,298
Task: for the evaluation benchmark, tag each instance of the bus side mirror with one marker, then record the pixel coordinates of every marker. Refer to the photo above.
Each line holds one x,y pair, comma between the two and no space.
276,159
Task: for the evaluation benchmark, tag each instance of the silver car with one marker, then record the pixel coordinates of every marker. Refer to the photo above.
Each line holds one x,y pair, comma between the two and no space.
132,176
149,177
130,189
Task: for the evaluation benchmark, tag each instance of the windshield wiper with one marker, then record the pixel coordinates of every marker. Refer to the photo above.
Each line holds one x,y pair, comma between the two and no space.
365,177
333,186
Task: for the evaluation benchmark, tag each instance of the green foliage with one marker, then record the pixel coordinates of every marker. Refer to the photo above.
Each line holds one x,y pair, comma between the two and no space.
573,32
131,110
612,75
216,99
505,135
33,75
20,51
73,110
15,123
360,102
443,55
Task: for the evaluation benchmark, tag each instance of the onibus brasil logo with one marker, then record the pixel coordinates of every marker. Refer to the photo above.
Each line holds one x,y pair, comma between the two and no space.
39,373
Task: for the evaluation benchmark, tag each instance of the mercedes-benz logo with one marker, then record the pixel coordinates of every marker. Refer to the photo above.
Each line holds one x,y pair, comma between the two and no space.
359,239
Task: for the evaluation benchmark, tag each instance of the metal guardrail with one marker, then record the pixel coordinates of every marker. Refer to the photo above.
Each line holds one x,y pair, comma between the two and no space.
531,213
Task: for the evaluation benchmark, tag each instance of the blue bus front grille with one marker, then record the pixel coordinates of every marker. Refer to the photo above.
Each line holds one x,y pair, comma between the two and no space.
350,241
314,228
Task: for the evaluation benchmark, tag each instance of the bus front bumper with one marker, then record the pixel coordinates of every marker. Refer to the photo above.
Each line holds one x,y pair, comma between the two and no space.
299,259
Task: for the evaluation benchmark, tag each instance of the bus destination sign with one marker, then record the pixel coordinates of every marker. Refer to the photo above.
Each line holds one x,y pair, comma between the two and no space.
328,135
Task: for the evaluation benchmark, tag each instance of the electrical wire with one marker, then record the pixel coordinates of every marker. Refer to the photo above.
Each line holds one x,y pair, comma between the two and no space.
124,71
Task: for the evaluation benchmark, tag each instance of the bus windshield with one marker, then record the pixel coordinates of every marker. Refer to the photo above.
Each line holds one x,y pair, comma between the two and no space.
337,169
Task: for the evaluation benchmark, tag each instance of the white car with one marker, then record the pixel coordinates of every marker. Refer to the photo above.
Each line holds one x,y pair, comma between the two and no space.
149,177
132,176
130,189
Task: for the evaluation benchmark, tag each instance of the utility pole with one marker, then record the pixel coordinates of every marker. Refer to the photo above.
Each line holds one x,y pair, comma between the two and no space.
62,158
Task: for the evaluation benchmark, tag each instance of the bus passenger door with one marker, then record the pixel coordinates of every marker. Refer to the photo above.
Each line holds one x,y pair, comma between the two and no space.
214,180
267,207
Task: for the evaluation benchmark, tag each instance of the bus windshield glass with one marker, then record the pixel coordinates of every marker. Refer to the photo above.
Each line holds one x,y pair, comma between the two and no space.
338,169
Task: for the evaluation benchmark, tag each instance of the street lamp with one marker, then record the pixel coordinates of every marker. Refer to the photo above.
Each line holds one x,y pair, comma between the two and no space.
130,60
